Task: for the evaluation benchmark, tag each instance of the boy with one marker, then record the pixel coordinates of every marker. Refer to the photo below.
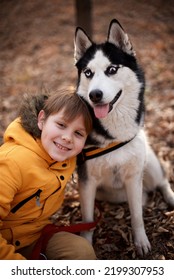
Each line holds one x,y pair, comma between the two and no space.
36,161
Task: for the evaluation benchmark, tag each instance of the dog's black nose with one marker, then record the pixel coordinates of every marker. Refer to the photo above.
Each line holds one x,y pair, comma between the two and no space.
96,95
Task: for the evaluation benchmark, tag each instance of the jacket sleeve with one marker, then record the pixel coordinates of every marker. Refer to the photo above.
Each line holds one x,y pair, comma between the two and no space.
10,178
7,251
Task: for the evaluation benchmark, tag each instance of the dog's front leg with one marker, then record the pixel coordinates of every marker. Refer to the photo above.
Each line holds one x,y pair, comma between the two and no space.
134,189
87,198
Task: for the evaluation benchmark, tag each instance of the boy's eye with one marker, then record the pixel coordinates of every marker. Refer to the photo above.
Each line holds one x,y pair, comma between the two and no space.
61,125
80,134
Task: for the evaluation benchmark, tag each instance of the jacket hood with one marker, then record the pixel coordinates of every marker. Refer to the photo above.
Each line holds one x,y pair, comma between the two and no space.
29,110
16,134
24,130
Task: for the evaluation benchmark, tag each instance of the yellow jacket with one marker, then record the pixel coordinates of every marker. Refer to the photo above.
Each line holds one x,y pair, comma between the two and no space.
31,189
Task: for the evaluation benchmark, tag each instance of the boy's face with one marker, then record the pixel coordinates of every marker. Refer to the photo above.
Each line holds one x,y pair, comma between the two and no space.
62,139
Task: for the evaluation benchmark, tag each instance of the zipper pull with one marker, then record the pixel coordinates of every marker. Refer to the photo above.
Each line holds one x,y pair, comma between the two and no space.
38,200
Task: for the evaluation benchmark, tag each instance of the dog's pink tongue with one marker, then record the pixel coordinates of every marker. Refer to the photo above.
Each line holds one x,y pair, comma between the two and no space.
101,111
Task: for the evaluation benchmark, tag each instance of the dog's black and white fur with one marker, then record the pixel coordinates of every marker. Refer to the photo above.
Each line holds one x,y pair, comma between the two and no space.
112,84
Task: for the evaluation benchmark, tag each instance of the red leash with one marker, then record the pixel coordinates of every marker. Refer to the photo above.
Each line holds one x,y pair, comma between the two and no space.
49,230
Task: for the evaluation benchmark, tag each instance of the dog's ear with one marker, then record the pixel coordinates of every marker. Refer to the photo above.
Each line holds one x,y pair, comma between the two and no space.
118,37
81,43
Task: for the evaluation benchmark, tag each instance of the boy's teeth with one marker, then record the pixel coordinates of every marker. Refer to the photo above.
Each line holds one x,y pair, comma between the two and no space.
61,147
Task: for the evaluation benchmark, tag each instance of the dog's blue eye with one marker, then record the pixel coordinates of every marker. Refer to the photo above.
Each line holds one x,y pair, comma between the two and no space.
88,73
111,70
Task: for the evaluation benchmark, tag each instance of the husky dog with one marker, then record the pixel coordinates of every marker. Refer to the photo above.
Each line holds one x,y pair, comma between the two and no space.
112,83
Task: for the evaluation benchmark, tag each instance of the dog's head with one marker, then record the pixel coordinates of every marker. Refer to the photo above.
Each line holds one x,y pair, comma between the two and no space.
108,73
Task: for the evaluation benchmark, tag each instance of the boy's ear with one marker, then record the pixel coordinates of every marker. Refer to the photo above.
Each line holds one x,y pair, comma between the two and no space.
41,119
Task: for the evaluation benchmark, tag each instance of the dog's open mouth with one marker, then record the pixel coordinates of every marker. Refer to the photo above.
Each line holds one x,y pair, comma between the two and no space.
102,110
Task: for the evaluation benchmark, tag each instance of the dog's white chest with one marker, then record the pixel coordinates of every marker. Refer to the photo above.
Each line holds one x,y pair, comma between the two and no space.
105,171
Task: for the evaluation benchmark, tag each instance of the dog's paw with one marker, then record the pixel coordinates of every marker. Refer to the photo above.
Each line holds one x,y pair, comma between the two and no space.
143,249
142,244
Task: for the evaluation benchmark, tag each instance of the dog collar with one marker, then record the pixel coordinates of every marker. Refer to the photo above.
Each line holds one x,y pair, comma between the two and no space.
94,152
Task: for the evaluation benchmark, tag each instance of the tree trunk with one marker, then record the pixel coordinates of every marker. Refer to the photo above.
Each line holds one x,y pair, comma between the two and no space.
84,15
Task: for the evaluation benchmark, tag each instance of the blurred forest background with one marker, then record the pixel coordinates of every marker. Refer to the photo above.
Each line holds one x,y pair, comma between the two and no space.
36,54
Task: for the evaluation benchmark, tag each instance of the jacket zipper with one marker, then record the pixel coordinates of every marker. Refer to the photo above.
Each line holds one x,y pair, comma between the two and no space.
23,202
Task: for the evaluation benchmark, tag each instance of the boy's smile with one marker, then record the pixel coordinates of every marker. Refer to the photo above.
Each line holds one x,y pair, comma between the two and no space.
59,146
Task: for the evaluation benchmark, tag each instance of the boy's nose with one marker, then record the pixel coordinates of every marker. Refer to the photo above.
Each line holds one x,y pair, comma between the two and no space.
67,138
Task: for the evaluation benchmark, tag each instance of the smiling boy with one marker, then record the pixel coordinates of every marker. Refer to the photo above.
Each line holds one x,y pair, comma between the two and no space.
36,161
